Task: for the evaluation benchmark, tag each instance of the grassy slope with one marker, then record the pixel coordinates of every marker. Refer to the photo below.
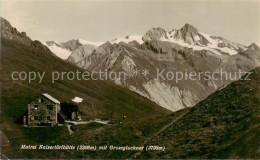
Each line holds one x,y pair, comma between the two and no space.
131,133
100,98
225,125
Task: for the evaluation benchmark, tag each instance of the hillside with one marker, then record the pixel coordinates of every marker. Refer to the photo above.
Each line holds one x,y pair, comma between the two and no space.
100,98
225,125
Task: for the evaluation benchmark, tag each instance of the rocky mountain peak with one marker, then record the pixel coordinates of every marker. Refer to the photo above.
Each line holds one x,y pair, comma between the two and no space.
189,28
11,33
154,33
5,23
254,47
190,35
104,48
71,44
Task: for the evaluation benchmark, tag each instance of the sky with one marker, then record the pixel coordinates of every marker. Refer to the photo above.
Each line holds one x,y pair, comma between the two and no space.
104,20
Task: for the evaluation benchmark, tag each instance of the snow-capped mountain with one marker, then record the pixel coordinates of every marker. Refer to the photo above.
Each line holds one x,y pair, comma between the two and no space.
253,47
190,37
128,39
59,50
183,50
71,48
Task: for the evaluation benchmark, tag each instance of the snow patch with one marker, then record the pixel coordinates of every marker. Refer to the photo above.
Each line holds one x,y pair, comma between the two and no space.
84,42
194,47
197,38
214,45
128,39
77,99
58,51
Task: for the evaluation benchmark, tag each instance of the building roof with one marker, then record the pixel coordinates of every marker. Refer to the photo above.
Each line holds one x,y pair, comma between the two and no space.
51,98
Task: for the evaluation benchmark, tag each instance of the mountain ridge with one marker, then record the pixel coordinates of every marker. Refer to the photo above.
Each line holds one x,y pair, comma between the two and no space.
186,36
156,54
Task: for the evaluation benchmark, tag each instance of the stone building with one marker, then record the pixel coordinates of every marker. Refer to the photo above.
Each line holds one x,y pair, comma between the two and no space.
43,111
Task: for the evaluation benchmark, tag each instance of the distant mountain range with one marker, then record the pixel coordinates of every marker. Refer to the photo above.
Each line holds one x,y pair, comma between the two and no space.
188,36
185,49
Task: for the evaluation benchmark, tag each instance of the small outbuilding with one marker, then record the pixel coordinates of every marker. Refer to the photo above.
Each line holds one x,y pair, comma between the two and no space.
70,111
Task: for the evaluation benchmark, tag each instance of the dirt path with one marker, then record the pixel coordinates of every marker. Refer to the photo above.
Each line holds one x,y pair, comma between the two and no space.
160,131
86,122
70,123
69,128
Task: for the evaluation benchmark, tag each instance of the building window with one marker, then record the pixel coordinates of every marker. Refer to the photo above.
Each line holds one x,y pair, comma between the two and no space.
50,107
35,117
35,106
48,118
40,100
